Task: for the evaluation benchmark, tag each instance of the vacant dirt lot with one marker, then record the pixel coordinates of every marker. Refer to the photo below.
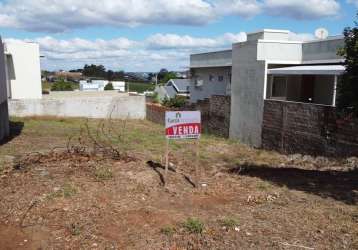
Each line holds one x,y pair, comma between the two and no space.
56,196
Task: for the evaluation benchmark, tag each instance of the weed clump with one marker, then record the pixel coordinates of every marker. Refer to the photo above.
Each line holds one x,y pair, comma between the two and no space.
229,222
103,173
168,230
194,226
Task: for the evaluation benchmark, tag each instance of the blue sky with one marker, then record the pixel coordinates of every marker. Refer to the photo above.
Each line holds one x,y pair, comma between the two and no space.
146,35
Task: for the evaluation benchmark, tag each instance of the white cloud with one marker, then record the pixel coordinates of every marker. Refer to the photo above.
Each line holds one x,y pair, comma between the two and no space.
155,52
355,2
63,15
243,8
173,41
302,9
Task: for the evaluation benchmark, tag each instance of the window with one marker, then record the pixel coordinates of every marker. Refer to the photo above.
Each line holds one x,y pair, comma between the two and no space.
279,86
211,78
221,78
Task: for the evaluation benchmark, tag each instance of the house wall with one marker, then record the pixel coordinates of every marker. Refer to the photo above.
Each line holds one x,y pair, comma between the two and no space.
209,88
305,128
4,117
322,50
212,59
247,91
284,51
25,80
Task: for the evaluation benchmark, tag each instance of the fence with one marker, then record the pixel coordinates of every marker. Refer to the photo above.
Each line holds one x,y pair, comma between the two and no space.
306,128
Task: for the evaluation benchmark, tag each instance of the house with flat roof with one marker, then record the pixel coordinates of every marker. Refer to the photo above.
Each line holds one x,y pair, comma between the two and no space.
23,70
268,67
210,74
4,114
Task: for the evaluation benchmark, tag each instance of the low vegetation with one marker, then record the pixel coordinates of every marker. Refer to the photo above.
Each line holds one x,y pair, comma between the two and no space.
109,86
194,225
62,85
139,87
175,102
80,188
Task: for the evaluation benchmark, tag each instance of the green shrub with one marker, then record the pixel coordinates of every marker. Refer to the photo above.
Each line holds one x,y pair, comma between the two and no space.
176,102
229,223
194,226
62,86
155,98
109,86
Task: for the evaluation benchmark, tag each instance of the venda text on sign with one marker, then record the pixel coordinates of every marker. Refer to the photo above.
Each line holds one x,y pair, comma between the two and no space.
183,124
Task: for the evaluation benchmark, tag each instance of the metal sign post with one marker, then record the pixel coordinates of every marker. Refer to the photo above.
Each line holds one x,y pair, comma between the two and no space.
182,125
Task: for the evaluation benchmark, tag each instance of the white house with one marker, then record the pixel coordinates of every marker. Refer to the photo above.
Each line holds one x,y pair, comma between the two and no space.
4,115
268,66
119,86
99,85
23,70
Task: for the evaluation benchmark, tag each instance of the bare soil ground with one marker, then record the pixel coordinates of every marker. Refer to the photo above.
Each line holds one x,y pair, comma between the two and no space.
250,199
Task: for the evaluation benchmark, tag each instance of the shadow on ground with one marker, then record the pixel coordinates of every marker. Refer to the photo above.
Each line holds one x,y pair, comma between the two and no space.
339,185
156,166
15,130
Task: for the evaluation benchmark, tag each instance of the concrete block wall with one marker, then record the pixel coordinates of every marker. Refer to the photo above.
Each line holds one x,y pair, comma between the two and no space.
290,127
219,116
122,107
156,113
215,114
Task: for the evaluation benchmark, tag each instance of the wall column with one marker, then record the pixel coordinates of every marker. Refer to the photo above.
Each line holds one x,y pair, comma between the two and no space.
335,90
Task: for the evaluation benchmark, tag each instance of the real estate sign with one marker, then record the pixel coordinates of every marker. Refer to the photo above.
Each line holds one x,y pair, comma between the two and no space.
183,124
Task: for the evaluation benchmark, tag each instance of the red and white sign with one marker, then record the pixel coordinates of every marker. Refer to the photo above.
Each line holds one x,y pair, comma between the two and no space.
183,124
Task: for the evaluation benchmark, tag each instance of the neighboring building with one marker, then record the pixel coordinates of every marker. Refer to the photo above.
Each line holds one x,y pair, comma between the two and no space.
263,69
4,115
119,85
173,88
94,85
98,85
210,75
268,66
23,70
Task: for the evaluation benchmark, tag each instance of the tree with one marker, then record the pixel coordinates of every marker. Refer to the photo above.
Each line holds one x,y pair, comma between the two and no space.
62,86
110,75
347,89
94,71
109,86
162,74
168,76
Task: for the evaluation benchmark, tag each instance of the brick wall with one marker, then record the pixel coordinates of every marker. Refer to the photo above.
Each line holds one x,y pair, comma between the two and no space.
215,114
219,116
308,129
